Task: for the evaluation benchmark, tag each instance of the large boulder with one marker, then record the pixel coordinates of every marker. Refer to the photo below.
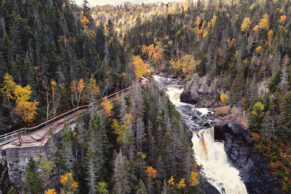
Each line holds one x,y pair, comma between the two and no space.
200,91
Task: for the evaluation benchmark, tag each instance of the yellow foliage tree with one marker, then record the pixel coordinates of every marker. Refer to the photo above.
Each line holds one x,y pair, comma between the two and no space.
93,89
25,109
182,184
246,25
184,64
117,98
258,109
81,86
171,182
77,89
270,37
194,179
8,86
223,98
264,22
139,66
21,94
107,107
116,127
157,55
150,171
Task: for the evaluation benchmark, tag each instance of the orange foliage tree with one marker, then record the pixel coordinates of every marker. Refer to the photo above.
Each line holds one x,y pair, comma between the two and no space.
283,19
50,191
68,183
85,21
264,22
151,172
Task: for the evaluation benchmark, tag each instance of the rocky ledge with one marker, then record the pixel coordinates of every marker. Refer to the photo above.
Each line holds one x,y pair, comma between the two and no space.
241,152
201,92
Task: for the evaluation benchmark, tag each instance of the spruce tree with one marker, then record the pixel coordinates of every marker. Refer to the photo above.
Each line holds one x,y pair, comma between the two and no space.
284,130
33,183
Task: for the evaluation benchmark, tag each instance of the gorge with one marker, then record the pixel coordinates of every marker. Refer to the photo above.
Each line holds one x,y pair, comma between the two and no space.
225,151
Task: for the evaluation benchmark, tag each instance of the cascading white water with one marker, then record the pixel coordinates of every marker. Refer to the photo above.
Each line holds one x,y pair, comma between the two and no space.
209,154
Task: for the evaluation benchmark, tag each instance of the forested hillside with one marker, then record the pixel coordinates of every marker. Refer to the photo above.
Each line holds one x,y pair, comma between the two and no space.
52,58
55,56
135,145
127,15
245,47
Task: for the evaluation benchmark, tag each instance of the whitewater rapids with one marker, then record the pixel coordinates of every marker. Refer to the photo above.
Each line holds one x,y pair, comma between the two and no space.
209,153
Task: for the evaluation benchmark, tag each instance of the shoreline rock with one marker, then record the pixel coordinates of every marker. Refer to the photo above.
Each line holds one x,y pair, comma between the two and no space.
241,153
200,92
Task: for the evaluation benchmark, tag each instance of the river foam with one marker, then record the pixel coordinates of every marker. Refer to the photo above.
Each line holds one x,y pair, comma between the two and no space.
209,153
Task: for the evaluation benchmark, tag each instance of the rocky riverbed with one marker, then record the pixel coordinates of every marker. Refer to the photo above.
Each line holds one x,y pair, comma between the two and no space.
230,129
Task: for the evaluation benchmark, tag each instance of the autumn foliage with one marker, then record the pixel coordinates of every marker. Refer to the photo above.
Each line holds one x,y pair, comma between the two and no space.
246,25
194,179
150,171
139,66
223,98
50,191
107,107
24,108
68,183
182,184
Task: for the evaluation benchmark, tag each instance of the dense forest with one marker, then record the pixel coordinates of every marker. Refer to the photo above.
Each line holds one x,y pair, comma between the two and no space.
135,145
54,58
243,46
55,55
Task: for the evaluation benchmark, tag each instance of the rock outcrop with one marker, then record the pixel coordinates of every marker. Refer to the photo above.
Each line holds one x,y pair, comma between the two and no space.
241,152
201,92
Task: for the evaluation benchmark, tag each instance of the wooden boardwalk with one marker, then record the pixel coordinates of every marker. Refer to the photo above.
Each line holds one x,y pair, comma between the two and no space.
38,136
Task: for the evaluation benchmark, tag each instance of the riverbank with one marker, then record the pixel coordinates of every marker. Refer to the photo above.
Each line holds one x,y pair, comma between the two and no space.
230,125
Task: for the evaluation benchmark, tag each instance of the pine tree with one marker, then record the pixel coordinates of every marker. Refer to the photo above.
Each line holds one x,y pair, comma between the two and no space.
33,183
121,175
97,151
284,129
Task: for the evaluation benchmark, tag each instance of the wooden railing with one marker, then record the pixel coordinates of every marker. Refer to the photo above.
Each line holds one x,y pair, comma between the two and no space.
11,136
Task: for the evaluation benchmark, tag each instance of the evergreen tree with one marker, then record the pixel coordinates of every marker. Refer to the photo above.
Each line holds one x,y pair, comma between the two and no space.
121,175
33,183
97,151
284,130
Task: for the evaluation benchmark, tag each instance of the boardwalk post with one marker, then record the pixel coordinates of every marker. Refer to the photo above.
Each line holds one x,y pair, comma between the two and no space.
20,138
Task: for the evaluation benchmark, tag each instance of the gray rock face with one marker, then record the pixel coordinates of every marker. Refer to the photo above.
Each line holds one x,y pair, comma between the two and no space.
251,164
200,92
17,160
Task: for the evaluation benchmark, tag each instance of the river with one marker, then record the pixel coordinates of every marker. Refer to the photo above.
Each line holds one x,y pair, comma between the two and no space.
210,154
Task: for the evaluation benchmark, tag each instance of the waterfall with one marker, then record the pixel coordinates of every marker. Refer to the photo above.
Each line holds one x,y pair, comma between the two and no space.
211,156
209,153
